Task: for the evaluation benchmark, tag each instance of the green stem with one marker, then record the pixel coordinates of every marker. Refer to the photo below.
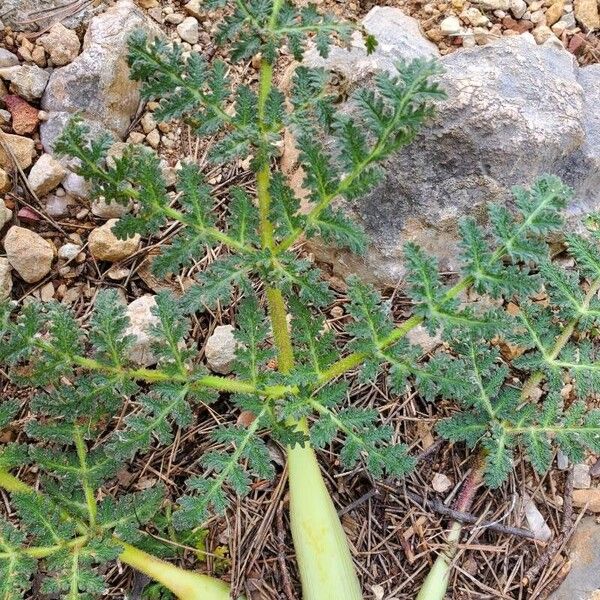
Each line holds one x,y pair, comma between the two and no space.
186,585
283,342
13,485
90,498
324,560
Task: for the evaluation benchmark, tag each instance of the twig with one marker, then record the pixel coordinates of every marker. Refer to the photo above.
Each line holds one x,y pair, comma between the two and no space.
465,517
566,531
281,547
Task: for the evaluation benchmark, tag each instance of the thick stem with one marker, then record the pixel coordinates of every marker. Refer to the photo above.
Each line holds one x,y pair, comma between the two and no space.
281,335
186,585
324,560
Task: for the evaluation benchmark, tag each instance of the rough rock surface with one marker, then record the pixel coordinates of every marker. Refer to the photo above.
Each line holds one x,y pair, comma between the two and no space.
96,84
16,13
104,244
5,185
220,349
583,580
62,44
25,118
28,81
5,279
22,148
45,175
8,59
514,111
141,320
5,214
29,254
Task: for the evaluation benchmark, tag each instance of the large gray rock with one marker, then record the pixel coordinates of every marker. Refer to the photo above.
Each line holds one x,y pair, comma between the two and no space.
515,110
97,84
19,14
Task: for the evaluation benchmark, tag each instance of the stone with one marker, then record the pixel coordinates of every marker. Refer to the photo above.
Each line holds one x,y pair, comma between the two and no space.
554,12
22,148
104,244
141,319
220,349
419,336
589,498
188,30
535,520
57,206
29,254
6,282
515,110
194,8
69,251
153,139
45,175
5,214
5,185
110,210
8,59
175,18
62,44
518,8
25,118
450,26
399,38
586,13
566,23
97,84
583,579
493,4
16,14
76,186
542,33
582,479
28,81
440,483
148,123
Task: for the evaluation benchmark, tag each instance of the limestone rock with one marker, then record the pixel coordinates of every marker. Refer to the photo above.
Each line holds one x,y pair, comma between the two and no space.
583,580
141,319
440,483
535,519
514,111
28,81
110,210
76,186
589,498
69,251
22,148
16,14
194,8
582,479
45,175
5,186
220,349
61,44
5,279
97,84
8,59
188,30
104,244
5,214
586,12
29,254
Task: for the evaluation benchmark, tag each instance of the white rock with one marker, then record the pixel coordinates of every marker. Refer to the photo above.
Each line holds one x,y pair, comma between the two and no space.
28,81
542,34
518,8
220,349
450,26
5,214
69,251
76,186
8,59
193,7
141,320
582,479
188,30
29,254
440,483
110,210
57,206
148,123
104,244
5,279
46,174
535,520
153,138
61,44
494,4
419,336
174,18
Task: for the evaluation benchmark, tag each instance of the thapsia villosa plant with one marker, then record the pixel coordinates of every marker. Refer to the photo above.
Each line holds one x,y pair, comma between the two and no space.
69,530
